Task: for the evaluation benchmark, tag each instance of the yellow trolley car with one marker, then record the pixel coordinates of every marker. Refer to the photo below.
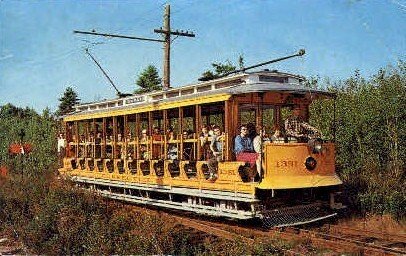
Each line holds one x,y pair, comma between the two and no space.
112,148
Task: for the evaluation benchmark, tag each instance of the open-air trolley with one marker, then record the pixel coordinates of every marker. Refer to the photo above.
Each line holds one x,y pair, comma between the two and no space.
147,149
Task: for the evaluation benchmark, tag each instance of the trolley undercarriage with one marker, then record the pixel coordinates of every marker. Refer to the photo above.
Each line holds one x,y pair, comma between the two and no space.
225,204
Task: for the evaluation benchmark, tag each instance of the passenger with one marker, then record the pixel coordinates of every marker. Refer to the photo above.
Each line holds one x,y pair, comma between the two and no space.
190,134
82,138
172,151
89,147
211,129
144,153
258,148
61,145
98,138
156,135
109,151
119,137
109,129
156,148
91,138
130,152
244,149
252,132
98,141
144,136
216,146
297,128
119,151
277,137
243,142
109,138
170,135
187,146
129,136
204,138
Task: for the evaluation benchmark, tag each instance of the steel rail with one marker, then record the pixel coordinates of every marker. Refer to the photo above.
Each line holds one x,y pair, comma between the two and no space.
363,245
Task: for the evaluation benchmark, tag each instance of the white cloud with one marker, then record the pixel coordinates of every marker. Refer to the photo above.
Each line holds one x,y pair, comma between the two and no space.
5,57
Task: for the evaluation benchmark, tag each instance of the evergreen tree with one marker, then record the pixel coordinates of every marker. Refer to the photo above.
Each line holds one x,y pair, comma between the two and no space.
221,69
67,101
148,80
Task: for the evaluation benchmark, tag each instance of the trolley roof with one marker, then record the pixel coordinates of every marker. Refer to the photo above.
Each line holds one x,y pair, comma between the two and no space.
200,93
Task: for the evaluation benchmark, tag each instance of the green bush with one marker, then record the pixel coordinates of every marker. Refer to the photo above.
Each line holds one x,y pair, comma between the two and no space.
370,137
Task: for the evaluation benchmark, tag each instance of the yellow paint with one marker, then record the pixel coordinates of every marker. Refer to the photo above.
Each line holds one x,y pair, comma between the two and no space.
285,167
228,177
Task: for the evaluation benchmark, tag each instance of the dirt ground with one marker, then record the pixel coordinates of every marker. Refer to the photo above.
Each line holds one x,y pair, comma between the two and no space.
384,224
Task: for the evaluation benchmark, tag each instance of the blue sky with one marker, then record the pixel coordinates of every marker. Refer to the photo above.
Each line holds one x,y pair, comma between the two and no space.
40,56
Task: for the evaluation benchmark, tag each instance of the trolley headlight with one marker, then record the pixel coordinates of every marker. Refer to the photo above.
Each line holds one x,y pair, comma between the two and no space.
315,145
310,163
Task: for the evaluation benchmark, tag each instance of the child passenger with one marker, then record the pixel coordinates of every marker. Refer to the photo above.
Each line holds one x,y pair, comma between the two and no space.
205,143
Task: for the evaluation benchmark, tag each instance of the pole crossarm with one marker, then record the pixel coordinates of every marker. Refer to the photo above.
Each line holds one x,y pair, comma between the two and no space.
118,36
177,33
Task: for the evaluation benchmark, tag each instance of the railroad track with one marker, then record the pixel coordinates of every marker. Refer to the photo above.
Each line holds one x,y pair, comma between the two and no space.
337,238
370,239
218,229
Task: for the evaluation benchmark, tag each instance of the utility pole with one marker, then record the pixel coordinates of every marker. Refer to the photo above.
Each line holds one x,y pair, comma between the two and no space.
166,33
167,47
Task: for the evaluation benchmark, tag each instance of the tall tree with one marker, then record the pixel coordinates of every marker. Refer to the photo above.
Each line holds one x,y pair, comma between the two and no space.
149,80
67,101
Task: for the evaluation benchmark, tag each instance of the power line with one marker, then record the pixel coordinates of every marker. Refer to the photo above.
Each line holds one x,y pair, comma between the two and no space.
166,33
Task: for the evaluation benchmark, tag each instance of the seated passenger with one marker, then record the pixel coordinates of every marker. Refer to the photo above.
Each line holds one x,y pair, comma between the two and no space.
129,136
243,143
172,152
156,148
109,139
216,146
244,149
297,128
156,134
190,134
187,146
170,135
277,137
89,150
144,154
144,136
98,141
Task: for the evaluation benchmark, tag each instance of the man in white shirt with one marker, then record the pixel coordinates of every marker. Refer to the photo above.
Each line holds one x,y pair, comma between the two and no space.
61,147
